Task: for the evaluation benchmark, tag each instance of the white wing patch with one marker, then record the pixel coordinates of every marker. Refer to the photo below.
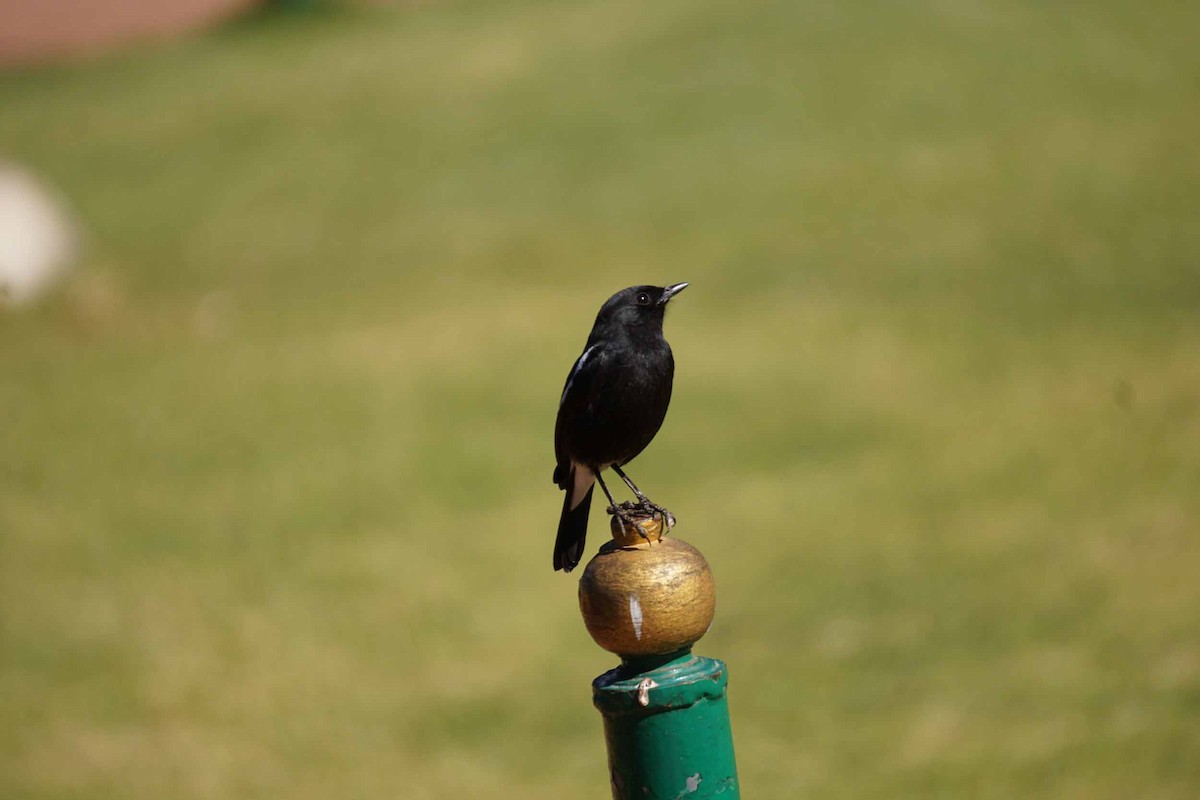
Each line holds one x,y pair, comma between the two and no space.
574,372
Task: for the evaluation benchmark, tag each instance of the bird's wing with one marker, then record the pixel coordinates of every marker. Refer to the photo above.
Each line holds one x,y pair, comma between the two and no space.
572,403
580,364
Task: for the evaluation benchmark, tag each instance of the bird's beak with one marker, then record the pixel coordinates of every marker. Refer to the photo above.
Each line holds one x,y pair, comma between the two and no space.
670,292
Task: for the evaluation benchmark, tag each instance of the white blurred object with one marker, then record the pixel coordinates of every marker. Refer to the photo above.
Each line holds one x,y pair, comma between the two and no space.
38,239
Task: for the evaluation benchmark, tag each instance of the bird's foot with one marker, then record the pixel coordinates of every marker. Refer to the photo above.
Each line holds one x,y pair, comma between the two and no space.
621,511
652,508
629,512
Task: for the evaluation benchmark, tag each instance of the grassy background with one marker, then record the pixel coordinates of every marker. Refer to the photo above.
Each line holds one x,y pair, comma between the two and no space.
275,499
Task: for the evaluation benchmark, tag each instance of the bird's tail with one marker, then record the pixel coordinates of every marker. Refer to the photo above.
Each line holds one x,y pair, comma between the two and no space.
572,530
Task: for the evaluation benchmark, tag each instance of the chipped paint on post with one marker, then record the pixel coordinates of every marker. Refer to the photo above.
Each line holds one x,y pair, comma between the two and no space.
643,692
635,615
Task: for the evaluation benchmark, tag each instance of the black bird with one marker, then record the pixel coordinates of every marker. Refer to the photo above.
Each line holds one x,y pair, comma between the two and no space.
614,401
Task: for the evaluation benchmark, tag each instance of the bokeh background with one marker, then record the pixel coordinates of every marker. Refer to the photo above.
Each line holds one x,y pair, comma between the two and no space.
275,499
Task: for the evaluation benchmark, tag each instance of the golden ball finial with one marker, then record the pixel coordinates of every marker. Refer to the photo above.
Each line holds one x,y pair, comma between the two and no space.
645,595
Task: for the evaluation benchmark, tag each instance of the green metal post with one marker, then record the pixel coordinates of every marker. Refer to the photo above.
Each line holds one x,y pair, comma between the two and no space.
666,722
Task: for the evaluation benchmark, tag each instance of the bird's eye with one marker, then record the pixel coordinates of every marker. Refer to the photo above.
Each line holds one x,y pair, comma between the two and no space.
643,299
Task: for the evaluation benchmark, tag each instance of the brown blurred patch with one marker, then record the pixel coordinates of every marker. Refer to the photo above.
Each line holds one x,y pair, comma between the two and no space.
49,29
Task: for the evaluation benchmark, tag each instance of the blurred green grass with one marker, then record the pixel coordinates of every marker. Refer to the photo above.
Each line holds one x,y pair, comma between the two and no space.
275,507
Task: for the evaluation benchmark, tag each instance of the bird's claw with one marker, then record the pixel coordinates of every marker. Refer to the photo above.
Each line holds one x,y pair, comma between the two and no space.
623,512
654,508
646,507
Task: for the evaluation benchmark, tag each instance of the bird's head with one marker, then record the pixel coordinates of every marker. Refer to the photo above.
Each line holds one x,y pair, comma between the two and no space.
639,306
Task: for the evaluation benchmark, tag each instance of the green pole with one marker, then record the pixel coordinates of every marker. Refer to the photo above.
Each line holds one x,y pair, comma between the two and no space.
666,718
667,729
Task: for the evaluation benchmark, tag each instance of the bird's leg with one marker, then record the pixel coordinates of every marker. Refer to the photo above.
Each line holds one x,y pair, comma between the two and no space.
622,510
612,504
645,502
632,486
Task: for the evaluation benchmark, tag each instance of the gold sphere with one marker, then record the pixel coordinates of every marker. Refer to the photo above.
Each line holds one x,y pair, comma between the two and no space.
644,595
